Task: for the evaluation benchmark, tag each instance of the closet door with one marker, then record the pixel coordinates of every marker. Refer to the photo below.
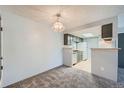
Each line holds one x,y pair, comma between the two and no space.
121,52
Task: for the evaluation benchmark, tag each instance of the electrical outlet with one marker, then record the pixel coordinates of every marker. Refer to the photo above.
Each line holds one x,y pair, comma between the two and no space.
102,68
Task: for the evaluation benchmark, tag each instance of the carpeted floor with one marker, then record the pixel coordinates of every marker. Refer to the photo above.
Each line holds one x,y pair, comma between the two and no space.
65,77
121,77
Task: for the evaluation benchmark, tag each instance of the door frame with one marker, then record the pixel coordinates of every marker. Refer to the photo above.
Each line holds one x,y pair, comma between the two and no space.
1,67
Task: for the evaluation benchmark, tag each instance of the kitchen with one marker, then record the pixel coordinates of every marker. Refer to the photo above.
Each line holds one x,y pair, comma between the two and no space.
79,44
93,50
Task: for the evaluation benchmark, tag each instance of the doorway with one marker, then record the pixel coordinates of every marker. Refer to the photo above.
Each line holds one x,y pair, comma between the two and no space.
91,37
121,58
121,53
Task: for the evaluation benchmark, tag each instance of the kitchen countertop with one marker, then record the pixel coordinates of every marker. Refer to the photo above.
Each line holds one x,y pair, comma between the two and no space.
70,47
105,48
77,50
67,46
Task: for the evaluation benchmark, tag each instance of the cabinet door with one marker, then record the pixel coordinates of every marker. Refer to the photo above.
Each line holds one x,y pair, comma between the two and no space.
65,39
74,58
69,39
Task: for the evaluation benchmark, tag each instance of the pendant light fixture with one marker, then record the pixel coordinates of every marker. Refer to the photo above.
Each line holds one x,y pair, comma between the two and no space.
58,26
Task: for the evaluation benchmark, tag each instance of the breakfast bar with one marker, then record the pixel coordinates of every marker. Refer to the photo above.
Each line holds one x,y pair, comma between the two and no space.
104,62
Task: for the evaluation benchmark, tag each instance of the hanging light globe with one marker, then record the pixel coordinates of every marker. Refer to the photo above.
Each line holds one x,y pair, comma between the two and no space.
58,26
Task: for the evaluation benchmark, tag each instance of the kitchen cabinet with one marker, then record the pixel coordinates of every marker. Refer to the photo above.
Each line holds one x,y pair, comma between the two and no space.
107,31
68,56
79,56
68,39
74,58
71,57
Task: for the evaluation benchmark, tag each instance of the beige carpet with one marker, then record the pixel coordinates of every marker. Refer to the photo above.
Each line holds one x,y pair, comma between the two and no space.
65,77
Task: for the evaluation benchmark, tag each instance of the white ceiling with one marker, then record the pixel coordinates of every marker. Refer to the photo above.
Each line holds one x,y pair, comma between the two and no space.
72,16
95,31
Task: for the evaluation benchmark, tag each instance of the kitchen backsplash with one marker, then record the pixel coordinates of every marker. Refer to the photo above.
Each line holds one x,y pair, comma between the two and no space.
105,44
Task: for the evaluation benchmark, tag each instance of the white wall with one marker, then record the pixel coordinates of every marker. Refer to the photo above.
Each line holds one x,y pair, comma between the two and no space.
28,48
121,23
121,30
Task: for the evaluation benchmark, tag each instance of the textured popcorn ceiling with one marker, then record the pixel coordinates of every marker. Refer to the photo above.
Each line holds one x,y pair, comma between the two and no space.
72,16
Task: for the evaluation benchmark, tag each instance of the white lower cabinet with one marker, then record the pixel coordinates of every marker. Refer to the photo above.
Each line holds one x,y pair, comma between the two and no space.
69,58
74,58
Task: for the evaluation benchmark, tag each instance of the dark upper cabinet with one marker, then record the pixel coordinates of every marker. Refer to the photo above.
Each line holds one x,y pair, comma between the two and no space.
107,31
68,39
81,39
65,39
